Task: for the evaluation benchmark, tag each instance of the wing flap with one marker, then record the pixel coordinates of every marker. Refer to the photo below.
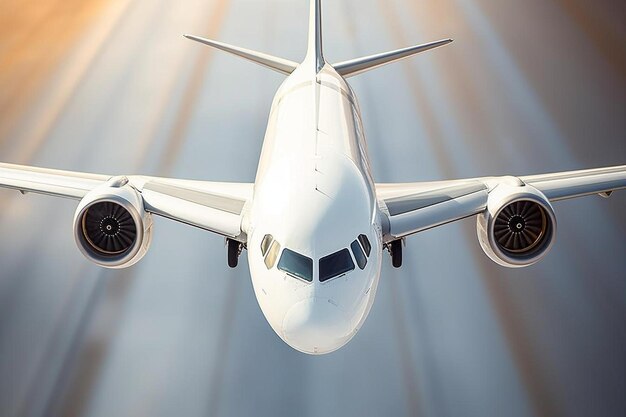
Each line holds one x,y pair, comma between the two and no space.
210,210
67,184
565,185
413,202
438,214
214,206
219,202
412,209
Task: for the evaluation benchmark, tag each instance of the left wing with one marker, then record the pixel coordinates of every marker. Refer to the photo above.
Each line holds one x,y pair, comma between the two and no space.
414,207
213,206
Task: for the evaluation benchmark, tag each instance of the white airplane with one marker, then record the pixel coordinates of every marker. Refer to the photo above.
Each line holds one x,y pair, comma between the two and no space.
314,223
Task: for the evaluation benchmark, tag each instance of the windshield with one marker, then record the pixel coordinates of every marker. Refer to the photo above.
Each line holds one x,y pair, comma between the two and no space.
361,260
295,264
365,242
336,264
272,254
265,243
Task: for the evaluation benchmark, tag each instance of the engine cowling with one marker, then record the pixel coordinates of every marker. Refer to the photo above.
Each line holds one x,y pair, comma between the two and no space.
111,226
518,228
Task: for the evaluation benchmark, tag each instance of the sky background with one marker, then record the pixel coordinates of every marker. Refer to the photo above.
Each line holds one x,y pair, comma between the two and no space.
110,86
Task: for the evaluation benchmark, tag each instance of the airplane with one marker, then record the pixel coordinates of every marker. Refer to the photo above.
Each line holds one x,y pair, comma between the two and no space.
314,223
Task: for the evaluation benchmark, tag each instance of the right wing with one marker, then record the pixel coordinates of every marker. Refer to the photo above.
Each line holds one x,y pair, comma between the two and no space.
214,206
414,207
53,182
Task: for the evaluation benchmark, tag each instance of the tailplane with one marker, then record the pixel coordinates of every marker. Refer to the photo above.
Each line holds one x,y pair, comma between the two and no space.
284,66
315,51
360,65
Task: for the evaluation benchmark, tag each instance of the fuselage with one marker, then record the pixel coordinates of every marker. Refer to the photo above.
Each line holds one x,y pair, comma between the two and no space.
314,235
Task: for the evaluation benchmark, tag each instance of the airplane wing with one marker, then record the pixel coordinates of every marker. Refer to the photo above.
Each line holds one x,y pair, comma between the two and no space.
414,207
213,206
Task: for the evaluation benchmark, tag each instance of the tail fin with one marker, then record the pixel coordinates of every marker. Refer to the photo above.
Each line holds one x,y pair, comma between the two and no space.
359,65
315,50
284,66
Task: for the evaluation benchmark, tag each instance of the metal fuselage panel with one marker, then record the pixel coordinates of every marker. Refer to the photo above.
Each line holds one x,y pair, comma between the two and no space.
314,194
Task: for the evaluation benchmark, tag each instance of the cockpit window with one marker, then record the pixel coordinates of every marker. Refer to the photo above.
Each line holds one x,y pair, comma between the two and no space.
365,242
265,243
361,260
272,254
295,264
338,263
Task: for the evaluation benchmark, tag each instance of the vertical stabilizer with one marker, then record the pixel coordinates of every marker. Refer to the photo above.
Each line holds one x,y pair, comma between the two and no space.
315,51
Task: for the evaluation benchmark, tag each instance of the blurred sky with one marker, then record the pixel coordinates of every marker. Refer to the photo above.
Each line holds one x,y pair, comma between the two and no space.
110,86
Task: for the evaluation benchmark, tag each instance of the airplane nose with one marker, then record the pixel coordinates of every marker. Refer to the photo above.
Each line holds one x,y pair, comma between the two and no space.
316,326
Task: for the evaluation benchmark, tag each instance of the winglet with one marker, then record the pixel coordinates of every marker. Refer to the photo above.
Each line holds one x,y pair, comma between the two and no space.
360,65
284,66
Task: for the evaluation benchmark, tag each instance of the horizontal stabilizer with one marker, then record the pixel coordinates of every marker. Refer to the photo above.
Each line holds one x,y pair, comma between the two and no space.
359,65
284,66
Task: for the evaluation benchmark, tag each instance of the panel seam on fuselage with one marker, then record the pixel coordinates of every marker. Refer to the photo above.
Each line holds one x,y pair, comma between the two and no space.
305,84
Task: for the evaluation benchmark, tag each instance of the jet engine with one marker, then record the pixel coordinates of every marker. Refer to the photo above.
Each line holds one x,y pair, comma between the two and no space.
111,226
518,227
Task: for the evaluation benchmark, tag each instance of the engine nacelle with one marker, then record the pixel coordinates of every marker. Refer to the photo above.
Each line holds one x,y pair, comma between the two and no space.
518,227
111,226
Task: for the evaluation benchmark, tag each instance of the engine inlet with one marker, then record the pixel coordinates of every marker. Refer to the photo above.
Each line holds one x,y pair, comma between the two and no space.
521,226
109,228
